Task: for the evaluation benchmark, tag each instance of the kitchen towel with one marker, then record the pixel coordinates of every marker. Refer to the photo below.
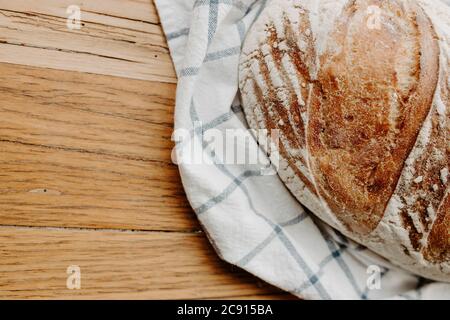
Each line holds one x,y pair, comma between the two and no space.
249,216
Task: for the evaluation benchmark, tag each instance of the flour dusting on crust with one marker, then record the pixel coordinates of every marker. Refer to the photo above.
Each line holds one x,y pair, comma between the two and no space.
363,115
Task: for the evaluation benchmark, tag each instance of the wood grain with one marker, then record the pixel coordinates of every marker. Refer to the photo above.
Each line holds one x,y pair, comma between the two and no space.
83,150
117,37
117,265
103,115
42,186
86,176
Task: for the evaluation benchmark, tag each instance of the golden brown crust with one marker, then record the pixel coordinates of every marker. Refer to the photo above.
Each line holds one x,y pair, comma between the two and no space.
363,116
375,92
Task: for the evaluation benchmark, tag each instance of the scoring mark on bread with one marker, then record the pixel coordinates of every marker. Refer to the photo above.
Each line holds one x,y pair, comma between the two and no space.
279,74
362,124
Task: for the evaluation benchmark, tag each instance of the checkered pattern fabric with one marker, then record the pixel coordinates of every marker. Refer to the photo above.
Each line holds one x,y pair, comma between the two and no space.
251,219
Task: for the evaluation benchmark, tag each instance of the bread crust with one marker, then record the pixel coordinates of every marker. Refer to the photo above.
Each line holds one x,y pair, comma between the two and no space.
362,112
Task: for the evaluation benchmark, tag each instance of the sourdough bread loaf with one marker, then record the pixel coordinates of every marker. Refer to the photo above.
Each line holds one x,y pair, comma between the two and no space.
360,93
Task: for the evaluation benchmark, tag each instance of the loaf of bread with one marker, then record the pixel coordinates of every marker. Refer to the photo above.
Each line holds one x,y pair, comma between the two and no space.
360,93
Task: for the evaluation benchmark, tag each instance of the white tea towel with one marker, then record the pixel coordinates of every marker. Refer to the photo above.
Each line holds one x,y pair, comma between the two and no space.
251,218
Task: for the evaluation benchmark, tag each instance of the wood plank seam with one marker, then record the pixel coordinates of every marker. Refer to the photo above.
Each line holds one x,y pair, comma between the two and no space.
86,174
138,52
118,230
78,150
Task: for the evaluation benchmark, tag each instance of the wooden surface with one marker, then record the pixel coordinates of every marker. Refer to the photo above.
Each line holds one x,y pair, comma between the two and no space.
85,172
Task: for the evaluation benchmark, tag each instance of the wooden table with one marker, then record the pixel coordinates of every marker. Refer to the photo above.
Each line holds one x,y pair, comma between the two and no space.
86,177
